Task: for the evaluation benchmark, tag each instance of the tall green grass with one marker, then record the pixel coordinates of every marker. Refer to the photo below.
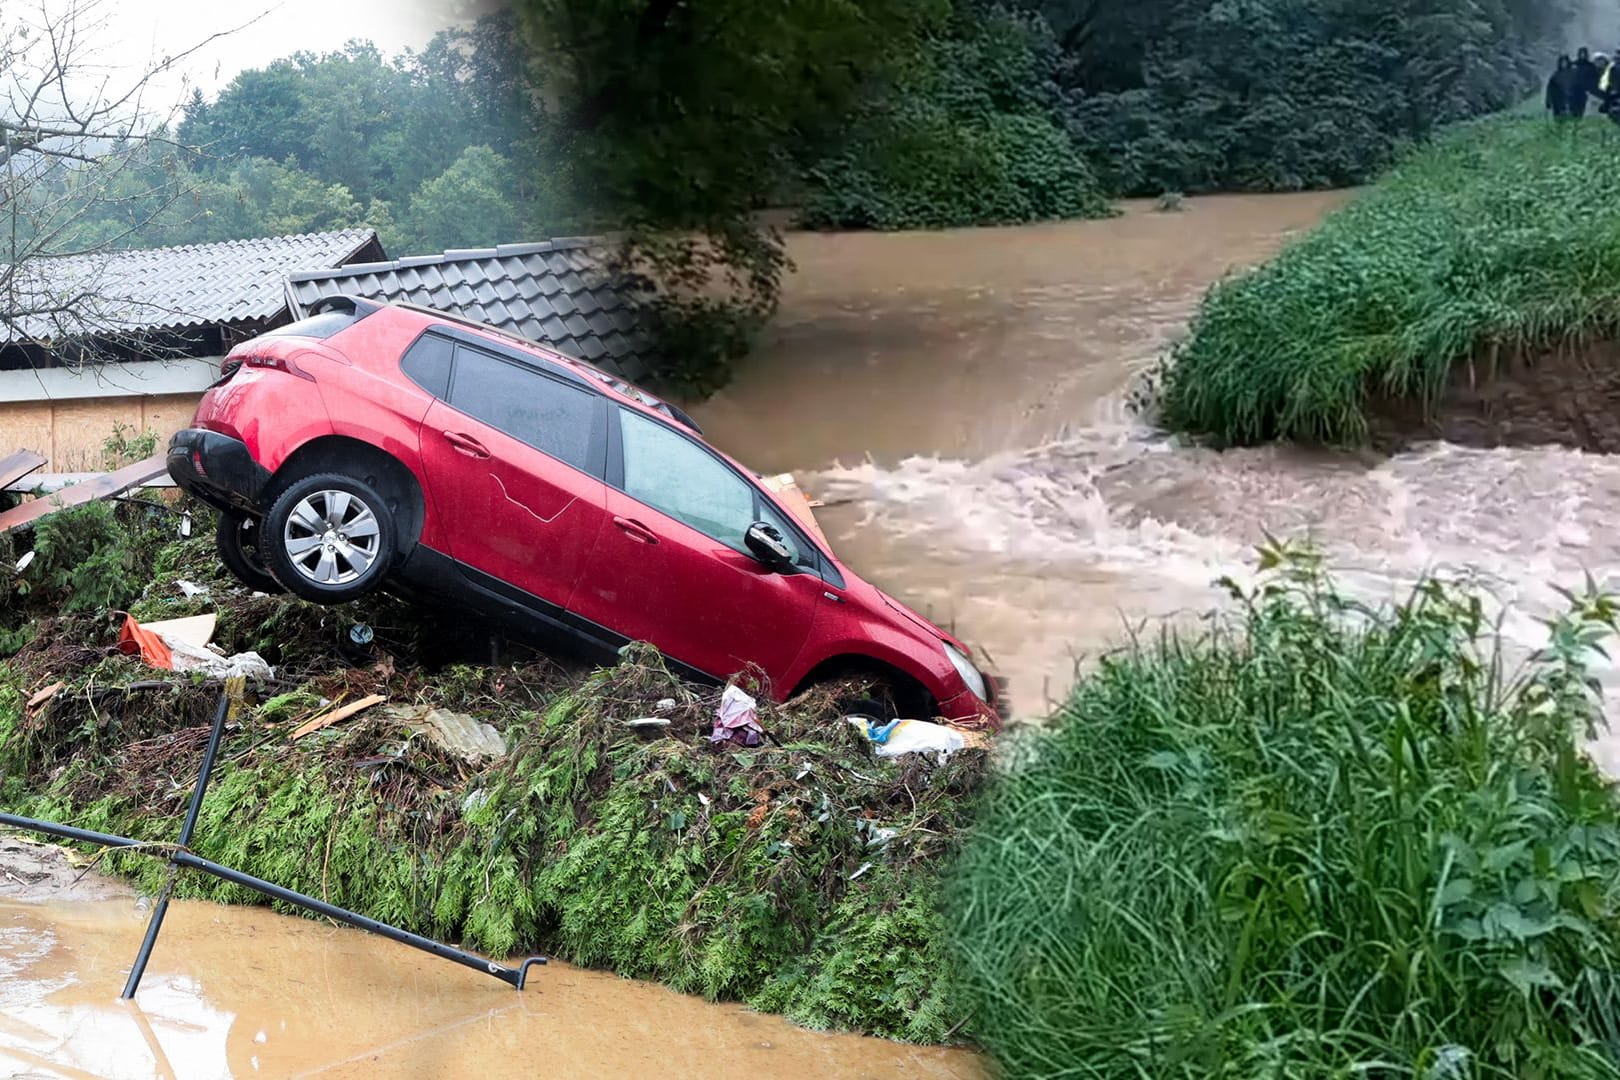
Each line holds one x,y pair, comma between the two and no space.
1325,841
1502,236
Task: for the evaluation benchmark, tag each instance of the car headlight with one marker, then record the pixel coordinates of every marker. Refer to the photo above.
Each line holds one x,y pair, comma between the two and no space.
964,667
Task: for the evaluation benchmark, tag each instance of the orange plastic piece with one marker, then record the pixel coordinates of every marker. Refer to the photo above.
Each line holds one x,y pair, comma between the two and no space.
136,640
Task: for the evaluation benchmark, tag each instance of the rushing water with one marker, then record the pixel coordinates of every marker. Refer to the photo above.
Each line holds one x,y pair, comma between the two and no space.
957,398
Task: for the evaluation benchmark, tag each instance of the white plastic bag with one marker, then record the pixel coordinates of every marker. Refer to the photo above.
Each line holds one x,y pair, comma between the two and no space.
910,737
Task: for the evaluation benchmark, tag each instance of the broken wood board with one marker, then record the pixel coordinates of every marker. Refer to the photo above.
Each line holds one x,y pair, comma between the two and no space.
19,465
45,695
469,739
793,497
309,727
104,486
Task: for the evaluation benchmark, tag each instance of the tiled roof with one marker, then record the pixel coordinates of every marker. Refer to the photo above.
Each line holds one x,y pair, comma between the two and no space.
556,293
239,281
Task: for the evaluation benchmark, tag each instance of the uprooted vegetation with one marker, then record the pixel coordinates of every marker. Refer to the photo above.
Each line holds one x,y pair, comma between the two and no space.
1326,841
1491,249
799,876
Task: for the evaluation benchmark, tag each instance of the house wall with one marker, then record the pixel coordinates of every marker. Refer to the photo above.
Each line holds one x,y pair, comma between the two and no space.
67,414
71,433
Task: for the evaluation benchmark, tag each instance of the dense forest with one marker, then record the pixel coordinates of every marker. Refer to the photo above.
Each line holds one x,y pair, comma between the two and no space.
673,122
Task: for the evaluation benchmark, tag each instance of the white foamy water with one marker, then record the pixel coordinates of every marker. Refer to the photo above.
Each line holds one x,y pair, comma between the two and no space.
1117,524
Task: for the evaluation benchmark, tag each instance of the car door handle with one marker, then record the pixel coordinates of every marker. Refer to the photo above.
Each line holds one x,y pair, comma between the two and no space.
636,530
466,444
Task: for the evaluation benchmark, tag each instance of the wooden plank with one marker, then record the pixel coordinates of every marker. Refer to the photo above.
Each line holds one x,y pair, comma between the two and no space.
787,488
311,726
56,481
103,486
19,465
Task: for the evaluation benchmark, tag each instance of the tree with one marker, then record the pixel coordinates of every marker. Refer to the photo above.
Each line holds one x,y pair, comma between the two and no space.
470,204
74,140
674,120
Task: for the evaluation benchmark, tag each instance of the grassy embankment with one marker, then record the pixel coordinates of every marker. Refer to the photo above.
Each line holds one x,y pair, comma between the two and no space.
1501,238
800,877
1322,842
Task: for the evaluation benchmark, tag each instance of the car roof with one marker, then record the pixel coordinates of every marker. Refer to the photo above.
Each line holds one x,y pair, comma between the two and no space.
619,388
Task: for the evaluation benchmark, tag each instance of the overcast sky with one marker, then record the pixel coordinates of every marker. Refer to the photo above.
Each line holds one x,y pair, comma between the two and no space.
148,28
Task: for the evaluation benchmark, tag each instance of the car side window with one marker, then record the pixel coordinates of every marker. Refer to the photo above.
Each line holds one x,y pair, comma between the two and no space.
674,475
551,416
427,364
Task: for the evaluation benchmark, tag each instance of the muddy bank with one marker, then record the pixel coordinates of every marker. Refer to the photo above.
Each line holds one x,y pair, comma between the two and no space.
34,871
1566,396
243,992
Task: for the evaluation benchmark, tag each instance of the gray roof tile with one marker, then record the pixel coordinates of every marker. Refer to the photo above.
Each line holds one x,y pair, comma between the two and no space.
177,287
557,293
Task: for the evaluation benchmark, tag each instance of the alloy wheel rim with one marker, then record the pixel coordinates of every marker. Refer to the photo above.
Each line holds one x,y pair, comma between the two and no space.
331,537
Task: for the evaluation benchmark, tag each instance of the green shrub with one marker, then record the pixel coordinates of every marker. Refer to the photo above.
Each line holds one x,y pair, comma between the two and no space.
1502,237
1325,841
966,135
1280,95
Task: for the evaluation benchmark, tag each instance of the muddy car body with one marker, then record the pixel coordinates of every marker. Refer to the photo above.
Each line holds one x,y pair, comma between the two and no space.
381,445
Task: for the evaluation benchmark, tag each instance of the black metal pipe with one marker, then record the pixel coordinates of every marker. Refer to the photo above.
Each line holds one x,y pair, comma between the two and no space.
67,832
161,908
507,975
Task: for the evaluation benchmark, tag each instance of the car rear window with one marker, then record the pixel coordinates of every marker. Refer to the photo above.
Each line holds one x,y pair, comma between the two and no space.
548,414
322,326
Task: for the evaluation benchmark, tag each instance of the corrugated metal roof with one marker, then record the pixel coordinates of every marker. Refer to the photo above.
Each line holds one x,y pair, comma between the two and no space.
556,292
175,287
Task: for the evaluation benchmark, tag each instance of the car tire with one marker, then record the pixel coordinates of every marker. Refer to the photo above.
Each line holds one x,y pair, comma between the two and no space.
329,538
872,708
237,539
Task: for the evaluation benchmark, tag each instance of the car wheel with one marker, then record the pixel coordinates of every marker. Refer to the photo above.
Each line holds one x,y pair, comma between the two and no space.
237,539
871,708
329,538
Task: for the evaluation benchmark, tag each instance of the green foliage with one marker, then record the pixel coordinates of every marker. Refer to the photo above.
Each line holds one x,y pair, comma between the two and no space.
1323,841
1173,95
965,135
1501,238
85,556
470,204
672,123
126,445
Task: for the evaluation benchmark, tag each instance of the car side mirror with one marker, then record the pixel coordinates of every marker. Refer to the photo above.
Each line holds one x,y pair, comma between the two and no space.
768,546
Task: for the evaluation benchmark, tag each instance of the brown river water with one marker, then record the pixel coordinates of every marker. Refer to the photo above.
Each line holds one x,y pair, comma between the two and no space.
958,399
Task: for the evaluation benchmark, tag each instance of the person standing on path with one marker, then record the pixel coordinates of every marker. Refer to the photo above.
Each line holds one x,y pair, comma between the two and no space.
1588,78
1562,89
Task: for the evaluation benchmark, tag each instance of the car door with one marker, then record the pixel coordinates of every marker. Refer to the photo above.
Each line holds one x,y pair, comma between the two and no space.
514,459
672,568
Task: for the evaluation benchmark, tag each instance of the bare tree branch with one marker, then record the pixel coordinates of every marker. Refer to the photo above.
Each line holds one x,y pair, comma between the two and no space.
82,168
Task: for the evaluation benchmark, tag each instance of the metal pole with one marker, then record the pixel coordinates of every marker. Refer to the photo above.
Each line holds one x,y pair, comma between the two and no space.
162,907
514,977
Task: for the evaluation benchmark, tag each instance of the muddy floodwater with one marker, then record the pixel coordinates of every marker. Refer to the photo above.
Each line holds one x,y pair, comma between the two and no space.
242,992
958,399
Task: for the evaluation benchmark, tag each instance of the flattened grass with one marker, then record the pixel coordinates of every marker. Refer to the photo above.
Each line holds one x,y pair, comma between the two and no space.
1502,236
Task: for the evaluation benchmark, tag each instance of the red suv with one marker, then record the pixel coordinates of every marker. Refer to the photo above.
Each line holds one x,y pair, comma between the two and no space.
385,444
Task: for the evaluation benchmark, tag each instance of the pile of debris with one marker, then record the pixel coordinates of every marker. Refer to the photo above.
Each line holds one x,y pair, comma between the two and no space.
616,818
